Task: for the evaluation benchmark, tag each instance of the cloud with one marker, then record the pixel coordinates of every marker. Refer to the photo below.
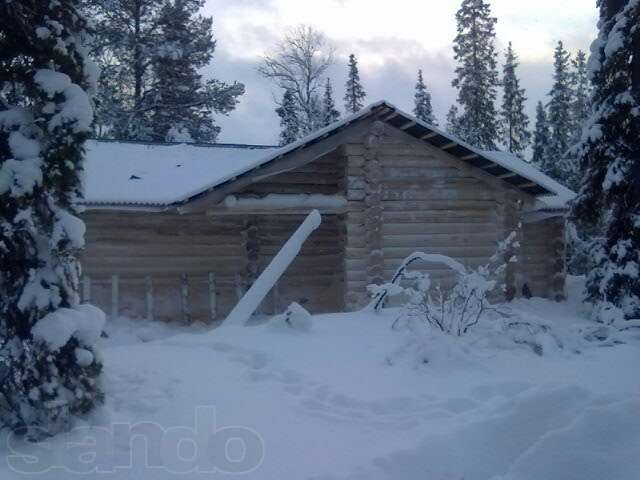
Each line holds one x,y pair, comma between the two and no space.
391,41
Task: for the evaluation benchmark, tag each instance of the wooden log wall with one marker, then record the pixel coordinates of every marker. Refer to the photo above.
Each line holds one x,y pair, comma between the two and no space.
164,262
430,202
402,196
157,249
541,260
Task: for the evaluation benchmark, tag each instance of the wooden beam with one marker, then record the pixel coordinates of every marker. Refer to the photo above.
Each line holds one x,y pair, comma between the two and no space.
149,297
449,145
393,114
508,175
407,125
429,135
115,296
469,157
213,313
488,165
527,185
86,289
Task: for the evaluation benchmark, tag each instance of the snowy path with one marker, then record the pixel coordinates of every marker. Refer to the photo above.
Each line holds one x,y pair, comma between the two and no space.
341,402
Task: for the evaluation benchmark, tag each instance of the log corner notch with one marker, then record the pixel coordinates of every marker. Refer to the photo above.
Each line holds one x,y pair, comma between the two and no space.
558,259
373,204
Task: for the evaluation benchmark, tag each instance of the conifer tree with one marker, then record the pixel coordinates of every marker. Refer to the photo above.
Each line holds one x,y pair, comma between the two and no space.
541,137
182,101
329,112
150,53
610,156
453,126
559,114
355,95
289,120
514,121
581,93
47,358
476,74
422,101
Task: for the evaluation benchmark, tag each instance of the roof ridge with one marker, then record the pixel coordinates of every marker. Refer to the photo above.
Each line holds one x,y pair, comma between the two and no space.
191,144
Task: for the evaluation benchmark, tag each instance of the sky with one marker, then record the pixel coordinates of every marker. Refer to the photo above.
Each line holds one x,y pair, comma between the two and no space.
391,40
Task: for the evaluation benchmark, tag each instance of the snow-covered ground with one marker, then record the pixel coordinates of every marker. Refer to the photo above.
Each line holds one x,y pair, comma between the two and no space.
352,398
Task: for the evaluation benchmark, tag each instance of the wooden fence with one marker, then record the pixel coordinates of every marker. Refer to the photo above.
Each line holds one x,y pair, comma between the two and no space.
144,298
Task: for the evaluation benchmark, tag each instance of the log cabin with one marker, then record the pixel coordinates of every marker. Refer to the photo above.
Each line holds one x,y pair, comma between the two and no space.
180,231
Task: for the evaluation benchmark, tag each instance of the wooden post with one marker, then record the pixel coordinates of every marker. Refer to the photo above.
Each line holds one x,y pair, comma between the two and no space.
276,298
212,297
239,288
149,297
86,289
115,295
186,313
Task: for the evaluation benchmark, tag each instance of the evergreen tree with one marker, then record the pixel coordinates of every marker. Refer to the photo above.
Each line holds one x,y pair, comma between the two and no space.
329,112
477,74
453,126
422,100
289,120
514,121
610,156
581,93
541,137
183,102
355,95
47,362
559,114
150,53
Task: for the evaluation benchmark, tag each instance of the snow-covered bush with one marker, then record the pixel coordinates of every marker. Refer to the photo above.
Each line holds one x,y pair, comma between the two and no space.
453,311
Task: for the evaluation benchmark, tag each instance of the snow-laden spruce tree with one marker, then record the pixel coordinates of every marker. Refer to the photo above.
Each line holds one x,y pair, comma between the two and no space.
329,112
610,157
580,95
558,164
150,53
514,123
476,74
453,126
422,101
355,94
48,366
183,103
541,136
289,121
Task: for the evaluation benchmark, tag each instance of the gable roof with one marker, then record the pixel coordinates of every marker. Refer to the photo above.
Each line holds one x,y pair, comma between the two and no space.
162,175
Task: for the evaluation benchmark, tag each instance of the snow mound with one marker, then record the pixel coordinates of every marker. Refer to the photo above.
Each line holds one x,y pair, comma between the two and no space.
294,318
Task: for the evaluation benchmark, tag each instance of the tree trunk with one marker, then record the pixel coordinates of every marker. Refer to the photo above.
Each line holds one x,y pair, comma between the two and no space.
137,67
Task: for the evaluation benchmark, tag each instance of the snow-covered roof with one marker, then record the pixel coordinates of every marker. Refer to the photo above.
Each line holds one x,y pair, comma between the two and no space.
142,174
130,173
562,195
